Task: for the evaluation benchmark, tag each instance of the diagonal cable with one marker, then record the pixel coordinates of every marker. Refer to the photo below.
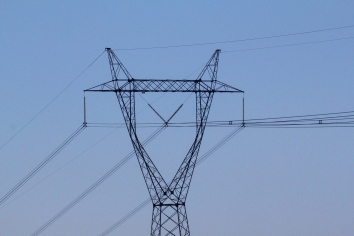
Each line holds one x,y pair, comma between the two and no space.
237,40
60,168
288,45
42,164
46,106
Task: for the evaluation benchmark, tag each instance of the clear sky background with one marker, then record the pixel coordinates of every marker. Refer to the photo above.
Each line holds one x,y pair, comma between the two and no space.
263,182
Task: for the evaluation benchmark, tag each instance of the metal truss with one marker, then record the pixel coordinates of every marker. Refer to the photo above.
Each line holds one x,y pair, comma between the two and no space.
169,215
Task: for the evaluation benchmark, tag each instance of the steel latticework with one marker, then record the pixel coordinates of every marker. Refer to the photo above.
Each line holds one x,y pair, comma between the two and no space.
169,216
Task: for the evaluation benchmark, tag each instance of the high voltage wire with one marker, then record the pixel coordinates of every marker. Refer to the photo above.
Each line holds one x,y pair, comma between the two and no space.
312,115
347,123
236,40
126,217
60,168
287,45
327,119
42,164
51,101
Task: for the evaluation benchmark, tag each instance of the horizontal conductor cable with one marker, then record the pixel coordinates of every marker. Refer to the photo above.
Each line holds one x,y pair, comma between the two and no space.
316,120
302,127
312,115
225,124
296,120
199,161
347,115
96,184
324,120
43,163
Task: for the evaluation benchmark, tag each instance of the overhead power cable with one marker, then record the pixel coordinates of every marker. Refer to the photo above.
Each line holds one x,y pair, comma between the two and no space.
288,45
237,40
321,120
60,168
199,161
46,106
299,116
43,163
96,184
126,217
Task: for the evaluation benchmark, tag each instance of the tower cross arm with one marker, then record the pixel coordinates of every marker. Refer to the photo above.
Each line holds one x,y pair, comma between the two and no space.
154,85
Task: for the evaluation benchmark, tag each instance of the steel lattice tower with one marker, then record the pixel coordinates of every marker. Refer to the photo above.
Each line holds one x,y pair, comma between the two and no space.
169,216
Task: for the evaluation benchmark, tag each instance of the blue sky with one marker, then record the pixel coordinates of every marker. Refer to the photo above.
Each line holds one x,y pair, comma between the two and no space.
262,182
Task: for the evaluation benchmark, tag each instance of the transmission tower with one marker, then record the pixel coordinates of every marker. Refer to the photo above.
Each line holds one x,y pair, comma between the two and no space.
169,216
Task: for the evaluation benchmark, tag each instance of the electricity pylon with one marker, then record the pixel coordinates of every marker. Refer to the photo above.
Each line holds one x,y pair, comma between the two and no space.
169,216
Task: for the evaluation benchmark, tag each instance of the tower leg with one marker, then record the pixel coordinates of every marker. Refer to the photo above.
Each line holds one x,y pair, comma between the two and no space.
169,219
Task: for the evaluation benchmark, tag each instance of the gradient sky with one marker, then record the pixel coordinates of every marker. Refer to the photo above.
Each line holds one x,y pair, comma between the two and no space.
263,182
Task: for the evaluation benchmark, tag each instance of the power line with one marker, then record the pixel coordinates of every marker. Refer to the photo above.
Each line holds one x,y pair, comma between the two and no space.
288,45
312,115
237,40
126,217
55,98
60,168
321,120
42,164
